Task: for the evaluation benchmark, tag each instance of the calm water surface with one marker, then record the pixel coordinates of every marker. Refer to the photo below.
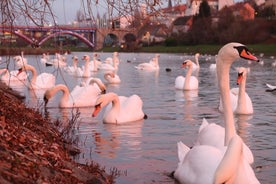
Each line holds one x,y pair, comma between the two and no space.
146,151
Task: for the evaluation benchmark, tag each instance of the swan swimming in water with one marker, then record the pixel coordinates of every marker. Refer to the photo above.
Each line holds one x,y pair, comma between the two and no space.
189,82
58,61
110,63
241,102
12,76
74,69
206,164
81,96
121,110
41,81
112,78
94,64
86,68
152,65
45,58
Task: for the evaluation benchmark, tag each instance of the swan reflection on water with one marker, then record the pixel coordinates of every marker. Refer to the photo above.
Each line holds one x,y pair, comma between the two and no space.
127,135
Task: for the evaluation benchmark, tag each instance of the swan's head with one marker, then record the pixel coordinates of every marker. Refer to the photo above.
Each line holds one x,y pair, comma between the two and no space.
99,83
102,101
241,74
95,55
46,97
157,55
97,109
23,68
197,55
20,70
232,51
75,57
20,61
111,74
187,63
85,58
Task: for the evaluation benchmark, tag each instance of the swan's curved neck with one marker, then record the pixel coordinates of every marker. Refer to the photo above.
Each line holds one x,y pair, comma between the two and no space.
65,97
112,97
196,60
188,77
242,96
107,75
223,69
98,82
86,70
75,63
34,73
95,61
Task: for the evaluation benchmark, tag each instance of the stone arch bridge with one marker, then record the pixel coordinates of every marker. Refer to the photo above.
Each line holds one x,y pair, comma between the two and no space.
91,36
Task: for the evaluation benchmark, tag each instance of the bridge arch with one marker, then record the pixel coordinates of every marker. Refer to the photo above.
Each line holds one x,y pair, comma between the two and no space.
18,33
111,39
86,41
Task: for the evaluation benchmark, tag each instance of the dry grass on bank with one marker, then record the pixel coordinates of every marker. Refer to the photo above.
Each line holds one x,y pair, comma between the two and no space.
33,151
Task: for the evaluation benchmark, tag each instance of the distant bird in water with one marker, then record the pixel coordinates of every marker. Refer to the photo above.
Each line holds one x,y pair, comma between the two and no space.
168,70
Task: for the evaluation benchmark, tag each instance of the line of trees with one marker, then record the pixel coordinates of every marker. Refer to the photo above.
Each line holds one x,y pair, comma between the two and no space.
228,27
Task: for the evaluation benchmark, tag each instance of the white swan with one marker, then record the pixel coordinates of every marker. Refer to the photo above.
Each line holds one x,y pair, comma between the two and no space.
152,65
196,65
240,100
94,64
213,66
13,76
110,63
74,69
86,68
112,78
189,82
271,87
80,96
45,58
41,81
208,164
58,61
121,110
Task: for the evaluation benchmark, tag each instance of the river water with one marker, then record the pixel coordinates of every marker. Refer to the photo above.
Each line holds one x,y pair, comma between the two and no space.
145,151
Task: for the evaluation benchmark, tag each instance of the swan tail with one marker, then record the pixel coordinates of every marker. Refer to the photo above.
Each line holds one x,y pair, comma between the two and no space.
203,125
182,150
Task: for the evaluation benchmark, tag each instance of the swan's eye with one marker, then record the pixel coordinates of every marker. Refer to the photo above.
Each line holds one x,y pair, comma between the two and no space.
240,74
98,106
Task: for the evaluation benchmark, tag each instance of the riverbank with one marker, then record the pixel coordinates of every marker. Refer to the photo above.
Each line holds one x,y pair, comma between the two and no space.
265,49
34,151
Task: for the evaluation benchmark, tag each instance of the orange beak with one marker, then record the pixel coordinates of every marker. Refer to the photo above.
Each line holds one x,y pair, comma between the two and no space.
184,65
19,71
239,78
247,55
96,110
